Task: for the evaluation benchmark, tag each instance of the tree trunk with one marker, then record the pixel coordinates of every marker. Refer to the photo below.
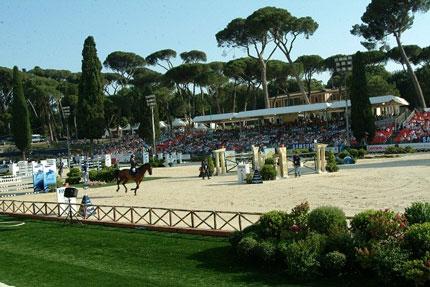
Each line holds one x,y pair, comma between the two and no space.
234,97
264,82
299,81
414,78
23,156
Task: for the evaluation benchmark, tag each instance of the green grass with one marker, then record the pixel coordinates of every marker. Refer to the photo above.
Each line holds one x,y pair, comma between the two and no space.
53,254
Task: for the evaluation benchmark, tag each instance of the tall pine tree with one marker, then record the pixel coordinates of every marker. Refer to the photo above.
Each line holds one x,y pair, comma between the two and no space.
90,104
362,119
21,128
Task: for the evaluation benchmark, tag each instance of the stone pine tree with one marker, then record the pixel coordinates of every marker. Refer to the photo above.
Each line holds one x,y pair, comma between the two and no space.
362,119
90,104
21,128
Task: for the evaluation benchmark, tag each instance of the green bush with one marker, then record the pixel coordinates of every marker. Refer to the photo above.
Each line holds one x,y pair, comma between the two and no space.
269,161
249,177
155,162
60,181
331,163
74,176
301,257
333,263
265,251
246,248
211,165
378,225
417,239
397,150
343,154
353,153
386,260
326,218
93,175
301,150
272,222
417,271
268,172
418,212
361,153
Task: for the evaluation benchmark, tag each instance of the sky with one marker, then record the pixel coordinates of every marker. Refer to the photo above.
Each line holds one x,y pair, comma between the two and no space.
50,33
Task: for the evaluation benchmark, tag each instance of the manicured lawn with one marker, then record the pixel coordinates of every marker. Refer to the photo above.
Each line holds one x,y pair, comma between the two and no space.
53,254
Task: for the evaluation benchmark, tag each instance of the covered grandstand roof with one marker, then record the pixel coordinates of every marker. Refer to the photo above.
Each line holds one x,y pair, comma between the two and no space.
272,112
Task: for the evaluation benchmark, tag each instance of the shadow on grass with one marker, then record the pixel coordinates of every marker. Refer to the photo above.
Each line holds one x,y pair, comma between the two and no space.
223,260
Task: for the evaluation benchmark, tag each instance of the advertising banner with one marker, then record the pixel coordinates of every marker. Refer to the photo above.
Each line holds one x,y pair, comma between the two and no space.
49,176
38,176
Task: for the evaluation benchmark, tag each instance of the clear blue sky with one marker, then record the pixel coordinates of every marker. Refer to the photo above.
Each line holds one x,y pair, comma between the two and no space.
50,33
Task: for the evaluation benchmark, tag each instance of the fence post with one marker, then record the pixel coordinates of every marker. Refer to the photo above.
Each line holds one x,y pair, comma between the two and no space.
13,206
58,210
192,218
150,216
131,214
46,208
114,214
34,208
170,217
240,221
214,213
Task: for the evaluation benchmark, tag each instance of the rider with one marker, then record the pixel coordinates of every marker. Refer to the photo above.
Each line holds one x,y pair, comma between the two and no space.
133,163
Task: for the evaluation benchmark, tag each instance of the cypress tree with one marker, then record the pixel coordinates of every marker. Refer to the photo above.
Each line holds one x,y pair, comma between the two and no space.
90,104
362,119
21,128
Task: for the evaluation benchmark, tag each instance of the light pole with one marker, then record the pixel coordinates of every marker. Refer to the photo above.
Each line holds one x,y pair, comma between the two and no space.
66,114
150,100
343,65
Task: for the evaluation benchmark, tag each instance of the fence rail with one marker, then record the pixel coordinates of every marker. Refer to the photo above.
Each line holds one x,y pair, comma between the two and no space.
136,215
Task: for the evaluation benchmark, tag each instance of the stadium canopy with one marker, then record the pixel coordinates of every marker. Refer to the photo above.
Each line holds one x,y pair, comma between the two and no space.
280,111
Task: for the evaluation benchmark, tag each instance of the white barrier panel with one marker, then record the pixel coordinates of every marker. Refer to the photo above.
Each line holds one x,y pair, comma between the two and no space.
108,160
64,202
242,170
185,156
383,147
145,157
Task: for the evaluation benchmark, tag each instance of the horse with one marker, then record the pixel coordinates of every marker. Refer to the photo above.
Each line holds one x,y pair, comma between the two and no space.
124,176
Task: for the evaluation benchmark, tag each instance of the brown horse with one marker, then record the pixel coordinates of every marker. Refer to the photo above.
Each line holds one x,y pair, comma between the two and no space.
124,176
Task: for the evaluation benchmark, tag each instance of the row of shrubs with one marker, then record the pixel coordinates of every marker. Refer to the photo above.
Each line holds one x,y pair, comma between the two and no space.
106,174
391,247
398,149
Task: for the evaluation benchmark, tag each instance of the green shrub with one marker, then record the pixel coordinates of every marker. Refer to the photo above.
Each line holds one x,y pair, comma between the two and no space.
331,163
353,153
269,161
387,260
60,181
272,222
343,154
155,162
73,180
377,225
361,153
211,165
74,172
417,239
265,251
268,172
418,212
249,177
417,271
323,219
93,175
301,257
246,248
397,150
333,263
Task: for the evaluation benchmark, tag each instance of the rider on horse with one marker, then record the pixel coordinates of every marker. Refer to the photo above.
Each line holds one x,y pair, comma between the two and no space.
133,164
